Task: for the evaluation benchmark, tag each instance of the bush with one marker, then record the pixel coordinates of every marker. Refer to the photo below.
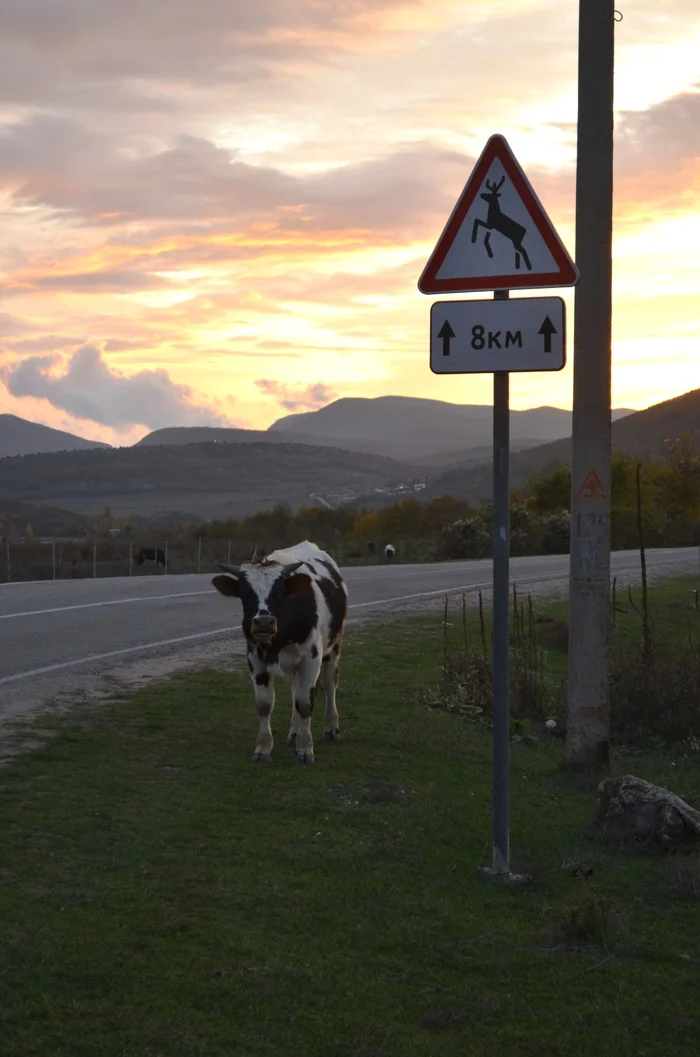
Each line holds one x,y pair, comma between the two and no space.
466,538
556,533
656,695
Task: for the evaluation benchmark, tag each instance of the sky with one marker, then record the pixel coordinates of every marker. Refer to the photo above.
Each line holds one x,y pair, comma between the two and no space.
217,213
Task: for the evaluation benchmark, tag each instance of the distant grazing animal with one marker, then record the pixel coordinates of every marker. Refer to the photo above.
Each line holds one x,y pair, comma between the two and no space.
389,551
371,547
294,609
150,554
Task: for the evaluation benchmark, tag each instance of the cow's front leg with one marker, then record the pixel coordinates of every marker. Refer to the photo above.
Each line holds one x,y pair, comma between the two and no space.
304,690
264,702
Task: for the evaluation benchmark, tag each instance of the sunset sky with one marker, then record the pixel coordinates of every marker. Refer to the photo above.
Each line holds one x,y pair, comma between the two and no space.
216,213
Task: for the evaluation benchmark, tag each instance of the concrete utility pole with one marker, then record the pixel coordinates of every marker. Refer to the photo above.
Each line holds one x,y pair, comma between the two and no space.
588,721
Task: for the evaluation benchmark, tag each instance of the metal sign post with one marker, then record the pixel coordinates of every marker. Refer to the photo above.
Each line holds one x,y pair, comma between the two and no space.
507,245
500,646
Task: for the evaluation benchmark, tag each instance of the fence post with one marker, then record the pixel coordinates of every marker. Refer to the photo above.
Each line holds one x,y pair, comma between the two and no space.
53,548
228,557
199,553
165,570
7,552
131,558
94,559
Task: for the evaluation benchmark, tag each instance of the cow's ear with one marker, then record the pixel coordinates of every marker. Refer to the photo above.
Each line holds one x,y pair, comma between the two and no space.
227,585
296,583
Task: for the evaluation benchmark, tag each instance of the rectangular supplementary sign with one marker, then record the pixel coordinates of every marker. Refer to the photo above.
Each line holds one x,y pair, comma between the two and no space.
479,337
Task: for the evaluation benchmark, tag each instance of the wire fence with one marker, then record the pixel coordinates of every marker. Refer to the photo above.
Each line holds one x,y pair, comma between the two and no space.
92,557
80,559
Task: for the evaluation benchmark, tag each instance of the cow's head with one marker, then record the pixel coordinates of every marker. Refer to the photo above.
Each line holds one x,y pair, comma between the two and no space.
264,589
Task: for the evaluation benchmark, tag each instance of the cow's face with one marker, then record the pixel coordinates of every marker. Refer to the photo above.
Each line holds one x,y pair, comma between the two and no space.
264,590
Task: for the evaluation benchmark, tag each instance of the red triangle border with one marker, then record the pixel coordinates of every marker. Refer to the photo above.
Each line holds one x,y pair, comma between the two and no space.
497,148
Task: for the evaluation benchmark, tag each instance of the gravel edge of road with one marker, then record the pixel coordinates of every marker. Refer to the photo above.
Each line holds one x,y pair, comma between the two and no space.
20,730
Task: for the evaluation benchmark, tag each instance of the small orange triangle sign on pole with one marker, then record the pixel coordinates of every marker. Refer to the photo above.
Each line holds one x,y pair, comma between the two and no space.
592,487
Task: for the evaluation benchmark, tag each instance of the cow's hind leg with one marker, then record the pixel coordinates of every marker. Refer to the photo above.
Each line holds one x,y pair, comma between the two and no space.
294,721
264,702
329,677
304,690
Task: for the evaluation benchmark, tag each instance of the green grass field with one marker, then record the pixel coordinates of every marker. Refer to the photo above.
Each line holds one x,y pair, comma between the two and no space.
160,896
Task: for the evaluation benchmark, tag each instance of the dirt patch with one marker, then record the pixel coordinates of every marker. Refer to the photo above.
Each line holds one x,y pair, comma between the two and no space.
20,729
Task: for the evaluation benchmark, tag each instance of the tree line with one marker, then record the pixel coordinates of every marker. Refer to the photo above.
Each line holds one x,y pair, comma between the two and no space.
446,527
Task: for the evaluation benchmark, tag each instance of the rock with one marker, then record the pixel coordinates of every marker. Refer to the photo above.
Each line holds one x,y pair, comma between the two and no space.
635,808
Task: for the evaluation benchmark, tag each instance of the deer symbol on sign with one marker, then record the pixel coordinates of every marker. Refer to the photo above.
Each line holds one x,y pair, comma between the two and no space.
498,221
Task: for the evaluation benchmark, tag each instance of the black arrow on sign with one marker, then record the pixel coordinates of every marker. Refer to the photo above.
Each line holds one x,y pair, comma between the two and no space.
547,329
446,333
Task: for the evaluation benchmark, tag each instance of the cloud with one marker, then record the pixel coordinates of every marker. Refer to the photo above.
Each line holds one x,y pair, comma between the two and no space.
657,160
46,343
662,135
205,204
309,399
110,281
88,389
58,164
168,57
10,325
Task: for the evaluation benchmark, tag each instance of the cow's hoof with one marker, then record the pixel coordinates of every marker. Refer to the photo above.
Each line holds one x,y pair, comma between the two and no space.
332,735
261,757
291,738
304,757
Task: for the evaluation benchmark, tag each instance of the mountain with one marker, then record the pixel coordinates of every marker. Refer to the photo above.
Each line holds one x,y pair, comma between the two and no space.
419,430
198,481
179,435
219,435
638,433
45,521
642,433
18,436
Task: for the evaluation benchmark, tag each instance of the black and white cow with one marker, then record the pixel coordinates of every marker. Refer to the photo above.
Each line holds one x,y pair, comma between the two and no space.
294,609
390,552
150,554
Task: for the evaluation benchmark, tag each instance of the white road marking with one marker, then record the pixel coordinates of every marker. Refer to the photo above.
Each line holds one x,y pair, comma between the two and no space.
91,605
113,653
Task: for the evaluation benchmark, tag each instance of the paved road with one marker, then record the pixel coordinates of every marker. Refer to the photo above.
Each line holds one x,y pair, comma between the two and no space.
54,635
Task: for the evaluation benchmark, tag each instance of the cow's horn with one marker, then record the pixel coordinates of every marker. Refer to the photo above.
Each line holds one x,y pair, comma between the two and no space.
291,568
230,569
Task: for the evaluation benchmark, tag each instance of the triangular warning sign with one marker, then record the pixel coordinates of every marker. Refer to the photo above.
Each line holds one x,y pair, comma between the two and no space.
498,236
592,487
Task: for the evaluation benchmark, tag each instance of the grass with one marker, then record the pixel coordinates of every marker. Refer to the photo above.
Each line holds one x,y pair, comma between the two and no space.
160,896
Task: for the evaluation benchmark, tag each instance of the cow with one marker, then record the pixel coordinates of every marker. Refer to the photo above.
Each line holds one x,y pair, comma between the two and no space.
389,551
150,554
294,611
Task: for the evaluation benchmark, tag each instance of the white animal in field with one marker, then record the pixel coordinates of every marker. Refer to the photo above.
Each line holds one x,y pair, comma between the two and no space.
294,611
389,551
